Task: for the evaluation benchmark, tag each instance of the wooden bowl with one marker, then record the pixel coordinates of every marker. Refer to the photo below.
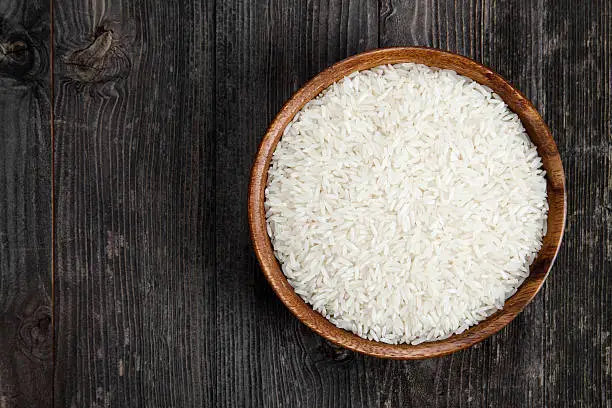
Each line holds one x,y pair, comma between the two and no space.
539,134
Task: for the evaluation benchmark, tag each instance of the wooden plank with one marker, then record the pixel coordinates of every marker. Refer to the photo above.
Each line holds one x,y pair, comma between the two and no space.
577,100
134,187
557,352
25,206
264,52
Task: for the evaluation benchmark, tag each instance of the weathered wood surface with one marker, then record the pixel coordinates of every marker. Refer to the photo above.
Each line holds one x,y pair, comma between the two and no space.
159,107
25,206
557,352
134,126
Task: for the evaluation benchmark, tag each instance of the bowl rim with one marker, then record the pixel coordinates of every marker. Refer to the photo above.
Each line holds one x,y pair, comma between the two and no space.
539,269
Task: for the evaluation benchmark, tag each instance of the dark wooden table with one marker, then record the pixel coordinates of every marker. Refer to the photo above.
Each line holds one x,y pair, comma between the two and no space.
127,134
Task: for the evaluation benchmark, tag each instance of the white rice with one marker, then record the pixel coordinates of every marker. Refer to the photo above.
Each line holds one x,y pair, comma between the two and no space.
406,203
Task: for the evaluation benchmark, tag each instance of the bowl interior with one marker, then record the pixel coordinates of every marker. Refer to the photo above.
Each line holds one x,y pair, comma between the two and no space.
540,136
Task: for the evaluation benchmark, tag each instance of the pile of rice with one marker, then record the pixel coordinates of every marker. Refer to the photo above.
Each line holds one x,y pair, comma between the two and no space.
406,203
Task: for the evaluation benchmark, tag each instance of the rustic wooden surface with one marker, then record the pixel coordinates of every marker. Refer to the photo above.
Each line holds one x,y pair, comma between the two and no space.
25,206
157,297
135,272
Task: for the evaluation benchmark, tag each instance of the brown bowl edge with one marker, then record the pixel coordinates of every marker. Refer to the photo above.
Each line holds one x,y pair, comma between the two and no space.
540,268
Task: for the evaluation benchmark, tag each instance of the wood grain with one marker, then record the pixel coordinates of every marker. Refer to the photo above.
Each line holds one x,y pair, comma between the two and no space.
265,52
159,108
134,173
558,54
25,206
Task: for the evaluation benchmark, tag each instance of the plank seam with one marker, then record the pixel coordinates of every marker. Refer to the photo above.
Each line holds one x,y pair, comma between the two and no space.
53,258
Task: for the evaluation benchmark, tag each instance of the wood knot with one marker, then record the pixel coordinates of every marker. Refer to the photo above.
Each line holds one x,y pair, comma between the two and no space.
102,61
35,334
21,54
15,57
321,351
336,353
